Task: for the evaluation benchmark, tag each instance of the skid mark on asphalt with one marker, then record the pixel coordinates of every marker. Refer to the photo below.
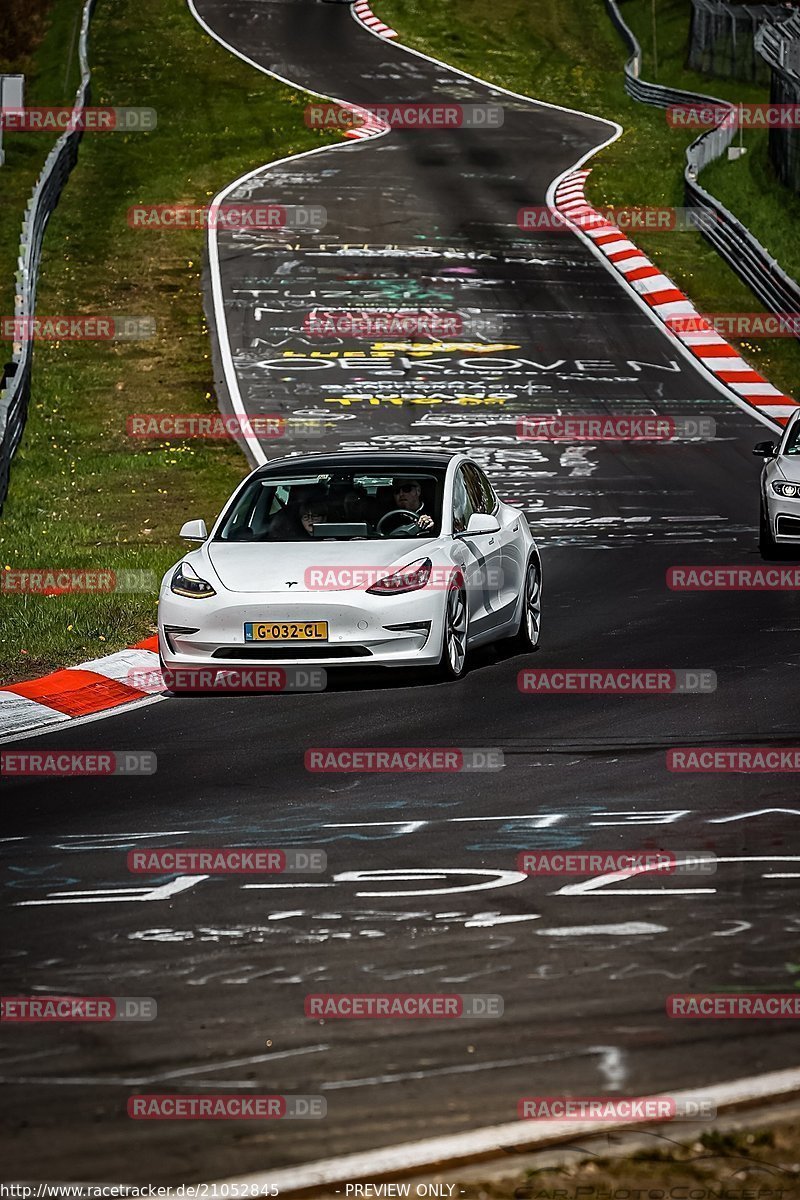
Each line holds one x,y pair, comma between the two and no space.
609,1066
163,1076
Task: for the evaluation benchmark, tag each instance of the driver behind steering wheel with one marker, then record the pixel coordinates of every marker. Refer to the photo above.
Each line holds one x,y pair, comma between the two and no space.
407,494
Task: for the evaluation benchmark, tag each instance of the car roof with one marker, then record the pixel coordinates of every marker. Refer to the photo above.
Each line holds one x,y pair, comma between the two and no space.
390,461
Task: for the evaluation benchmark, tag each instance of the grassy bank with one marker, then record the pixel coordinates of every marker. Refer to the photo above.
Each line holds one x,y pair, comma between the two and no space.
572,55
82,494
742,1160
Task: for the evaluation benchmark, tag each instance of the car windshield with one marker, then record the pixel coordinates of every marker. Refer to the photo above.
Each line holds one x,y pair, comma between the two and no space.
793,440
336,505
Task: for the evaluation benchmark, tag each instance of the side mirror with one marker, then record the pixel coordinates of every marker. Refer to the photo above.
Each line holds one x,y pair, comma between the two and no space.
194,531
481,523
765,449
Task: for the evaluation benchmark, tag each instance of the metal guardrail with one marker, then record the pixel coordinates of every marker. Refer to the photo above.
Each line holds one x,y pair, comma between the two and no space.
732,240
15,385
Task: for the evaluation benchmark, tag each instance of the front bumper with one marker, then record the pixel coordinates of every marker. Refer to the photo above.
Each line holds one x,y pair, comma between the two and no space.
357,629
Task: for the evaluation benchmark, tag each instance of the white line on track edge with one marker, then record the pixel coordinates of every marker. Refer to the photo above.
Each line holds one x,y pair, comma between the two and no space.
443,1153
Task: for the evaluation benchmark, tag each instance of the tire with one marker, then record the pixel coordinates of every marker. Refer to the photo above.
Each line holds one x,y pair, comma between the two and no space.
770,550
453,660
530,619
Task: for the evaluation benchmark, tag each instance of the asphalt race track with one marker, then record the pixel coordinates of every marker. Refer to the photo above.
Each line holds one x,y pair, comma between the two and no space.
422,891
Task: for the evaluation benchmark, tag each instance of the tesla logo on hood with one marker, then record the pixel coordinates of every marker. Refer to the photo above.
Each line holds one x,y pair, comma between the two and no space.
292,582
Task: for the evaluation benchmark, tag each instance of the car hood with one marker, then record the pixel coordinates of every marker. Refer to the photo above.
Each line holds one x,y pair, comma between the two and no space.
309,566
789,467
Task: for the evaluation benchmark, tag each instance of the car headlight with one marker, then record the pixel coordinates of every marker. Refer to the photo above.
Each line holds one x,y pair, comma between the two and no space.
186,582
406,579
789,490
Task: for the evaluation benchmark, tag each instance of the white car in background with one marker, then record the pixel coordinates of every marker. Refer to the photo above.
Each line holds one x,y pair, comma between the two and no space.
354,559
779,526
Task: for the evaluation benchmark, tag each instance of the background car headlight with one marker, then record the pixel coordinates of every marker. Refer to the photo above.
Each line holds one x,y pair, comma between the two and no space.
186,582
406,579
789,490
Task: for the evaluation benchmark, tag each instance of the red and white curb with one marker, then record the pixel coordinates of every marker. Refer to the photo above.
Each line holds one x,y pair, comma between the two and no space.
82,691
667,301
372,126
367,17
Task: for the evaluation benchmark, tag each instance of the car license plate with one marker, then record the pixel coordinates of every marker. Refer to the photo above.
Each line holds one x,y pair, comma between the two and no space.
286,631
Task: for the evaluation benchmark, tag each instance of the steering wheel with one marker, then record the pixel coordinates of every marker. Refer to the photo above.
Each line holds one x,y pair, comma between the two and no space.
396,512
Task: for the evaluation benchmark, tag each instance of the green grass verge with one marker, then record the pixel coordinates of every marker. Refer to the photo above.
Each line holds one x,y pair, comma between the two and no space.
571,54
82,494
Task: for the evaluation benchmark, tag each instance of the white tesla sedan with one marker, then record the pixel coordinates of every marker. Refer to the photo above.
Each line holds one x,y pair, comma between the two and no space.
368,558
779,527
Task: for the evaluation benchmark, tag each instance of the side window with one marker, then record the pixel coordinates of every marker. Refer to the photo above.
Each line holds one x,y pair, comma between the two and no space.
490,500
462,503
475,489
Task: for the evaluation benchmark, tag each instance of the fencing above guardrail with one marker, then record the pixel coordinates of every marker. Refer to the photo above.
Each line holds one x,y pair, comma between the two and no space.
780,49
722,39
15,387
732,240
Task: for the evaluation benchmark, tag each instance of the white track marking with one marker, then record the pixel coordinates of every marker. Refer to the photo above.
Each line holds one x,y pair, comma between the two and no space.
119,895
599,882
624,929
488,920
758,812
501,879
